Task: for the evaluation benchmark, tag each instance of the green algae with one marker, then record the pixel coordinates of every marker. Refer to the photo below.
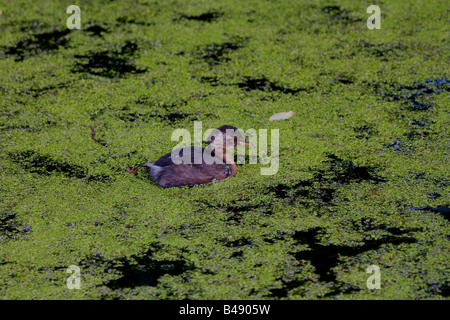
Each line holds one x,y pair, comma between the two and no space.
363,177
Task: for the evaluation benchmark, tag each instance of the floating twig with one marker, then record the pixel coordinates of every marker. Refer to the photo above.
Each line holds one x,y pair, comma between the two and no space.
93,136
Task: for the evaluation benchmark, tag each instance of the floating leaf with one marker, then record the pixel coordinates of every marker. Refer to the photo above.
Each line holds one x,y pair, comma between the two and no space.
282,116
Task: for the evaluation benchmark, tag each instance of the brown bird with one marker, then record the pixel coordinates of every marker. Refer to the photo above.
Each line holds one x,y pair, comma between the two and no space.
216,167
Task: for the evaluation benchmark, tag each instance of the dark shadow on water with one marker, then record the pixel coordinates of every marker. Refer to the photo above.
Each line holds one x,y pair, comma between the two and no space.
321,188
286,286
109,63
236,243
37,44
204,17
124,20
444,210
37,26
45,165
344,171
365,131
415,100
37,92
37,127
137,270
383,51
145,272
263,84
326,257
415,95
444,290
397,146
335,14
34,162
10,228
95,30
345,79
172,117
216,53
213,81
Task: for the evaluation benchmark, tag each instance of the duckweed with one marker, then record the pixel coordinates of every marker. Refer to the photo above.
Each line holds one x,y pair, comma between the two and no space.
363,176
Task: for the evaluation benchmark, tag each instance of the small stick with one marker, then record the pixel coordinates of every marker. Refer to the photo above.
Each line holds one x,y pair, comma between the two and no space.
93,134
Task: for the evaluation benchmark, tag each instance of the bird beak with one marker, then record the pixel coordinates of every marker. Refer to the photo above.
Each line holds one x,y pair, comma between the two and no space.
246,143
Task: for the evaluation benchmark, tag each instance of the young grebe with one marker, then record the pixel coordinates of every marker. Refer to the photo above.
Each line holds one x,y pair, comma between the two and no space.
169,174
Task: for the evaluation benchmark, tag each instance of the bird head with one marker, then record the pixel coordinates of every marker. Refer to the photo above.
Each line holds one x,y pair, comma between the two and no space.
227,136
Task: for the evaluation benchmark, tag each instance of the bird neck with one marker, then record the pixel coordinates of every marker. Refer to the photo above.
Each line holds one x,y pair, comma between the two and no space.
228,159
